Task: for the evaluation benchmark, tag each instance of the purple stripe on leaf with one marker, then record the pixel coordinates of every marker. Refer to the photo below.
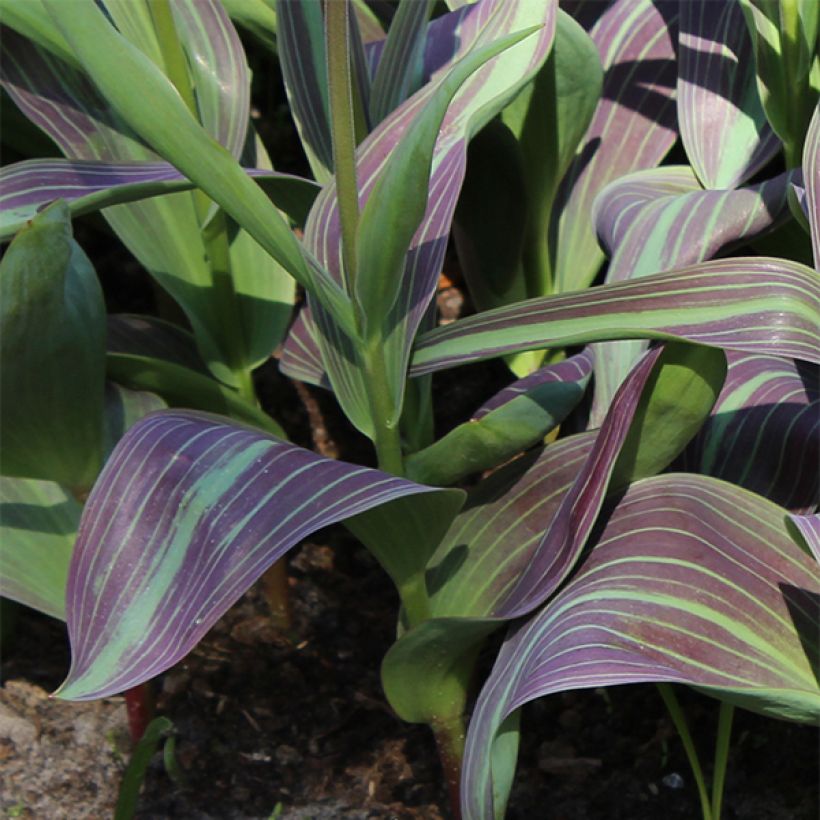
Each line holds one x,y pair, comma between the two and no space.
575,369
186,515
722,123
689,580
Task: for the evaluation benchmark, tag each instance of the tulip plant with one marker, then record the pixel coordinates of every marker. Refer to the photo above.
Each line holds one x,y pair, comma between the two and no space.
641,502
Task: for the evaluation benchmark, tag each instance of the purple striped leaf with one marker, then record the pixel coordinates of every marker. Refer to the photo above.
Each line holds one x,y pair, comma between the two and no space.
576,369
524,527
660,219
722,124
811,181
482,95
808,527
301,358
39,519
87,186
689,580
514,168
764,431
301,48
754,304
512,421
400,69
188,512
541,523
633,127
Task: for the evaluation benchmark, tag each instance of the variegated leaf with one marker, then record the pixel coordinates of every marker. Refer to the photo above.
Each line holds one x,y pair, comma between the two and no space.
747,304
690,580
484,93
722,123
763,433
513,420
811,181
89,185
633,127
660,219
188,512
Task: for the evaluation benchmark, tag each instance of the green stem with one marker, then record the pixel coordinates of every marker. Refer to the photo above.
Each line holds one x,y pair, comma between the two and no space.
679,719
414,598
724,733
386,438
343,132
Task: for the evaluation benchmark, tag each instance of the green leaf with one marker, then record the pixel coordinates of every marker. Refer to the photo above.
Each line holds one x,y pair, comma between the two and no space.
180,386
441,653
134,774
480,444
785,39
160,117
403,534
30,18
550,118
676,401
38,524
51,356
256,16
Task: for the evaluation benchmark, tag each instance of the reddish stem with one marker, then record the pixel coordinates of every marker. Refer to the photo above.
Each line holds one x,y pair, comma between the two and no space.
139,704
450,743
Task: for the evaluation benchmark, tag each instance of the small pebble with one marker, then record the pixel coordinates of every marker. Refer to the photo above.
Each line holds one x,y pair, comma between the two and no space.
673,781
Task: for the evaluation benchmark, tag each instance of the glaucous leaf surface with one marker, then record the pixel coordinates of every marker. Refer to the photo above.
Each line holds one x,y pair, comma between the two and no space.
52,355
689,580
188,512
38,524
722,124
633,127
747,304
